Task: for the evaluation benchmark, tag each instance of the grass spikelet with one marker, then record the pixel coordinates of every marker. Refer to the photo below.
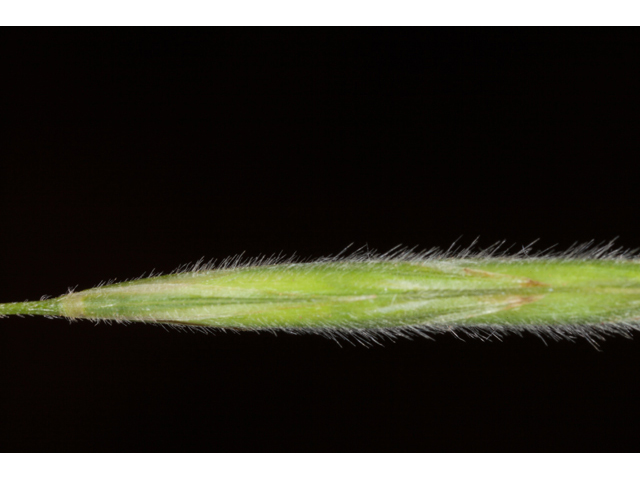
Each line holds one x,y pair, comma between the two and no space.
586,292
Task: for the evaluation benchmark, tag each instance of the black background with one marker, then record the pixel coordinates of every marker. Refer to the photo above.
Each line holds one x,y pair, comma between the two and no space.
131,150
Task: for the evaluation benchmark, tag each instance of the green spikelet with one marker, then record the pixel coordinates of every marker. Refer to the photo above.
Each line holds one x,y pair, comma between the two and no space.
579,292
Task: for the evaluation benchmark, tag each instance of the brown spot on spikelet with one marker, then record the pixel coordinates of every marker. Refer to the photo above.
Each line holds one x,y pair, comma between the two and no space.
524,281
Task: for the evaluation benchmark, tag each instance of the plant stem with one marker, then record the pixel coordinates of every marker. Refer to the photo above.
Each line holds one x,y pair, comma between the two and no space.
42,307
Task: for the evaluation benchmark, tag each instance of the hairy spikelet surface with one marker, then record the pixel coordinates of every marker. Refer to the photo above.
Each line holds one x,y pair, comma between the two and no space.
585,292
